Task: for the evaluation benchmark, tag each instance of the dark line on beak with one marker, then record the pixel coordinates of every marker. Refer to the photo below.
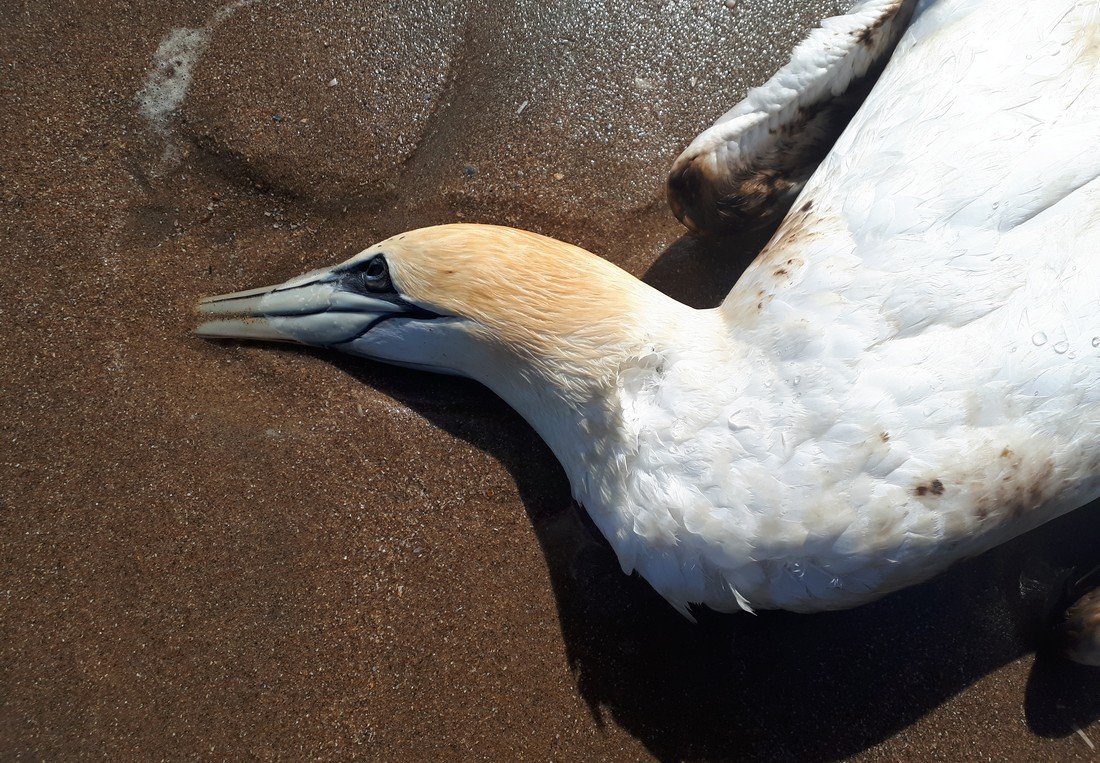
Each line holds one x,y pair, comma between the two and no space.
315,281
219,300
412,312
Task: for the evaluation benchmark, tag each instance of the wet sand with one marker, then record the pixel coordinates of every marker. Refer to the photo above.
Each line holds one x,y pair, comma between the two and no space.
224,551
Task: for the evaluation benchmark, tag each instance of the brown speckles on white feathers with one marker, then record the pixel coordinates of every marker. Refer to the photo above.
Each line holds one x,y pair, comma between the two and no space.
757,157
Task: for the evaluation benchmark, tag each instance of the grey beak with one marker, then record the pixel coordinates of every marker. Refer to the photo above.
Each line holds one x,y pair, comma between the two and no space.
311,309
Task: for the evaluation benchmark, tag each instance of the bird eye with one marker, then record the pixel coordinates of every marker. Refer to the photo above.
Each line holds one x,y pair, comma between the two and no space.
372,276
376,269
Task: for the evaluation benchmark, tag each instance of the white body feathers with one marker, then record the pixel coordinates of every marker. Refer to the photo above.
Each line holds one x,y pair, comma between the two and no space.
910,373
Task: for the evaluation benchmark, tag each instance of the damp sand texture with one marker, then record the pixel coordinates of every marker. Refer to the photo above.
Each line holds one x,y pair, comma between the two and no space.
220,552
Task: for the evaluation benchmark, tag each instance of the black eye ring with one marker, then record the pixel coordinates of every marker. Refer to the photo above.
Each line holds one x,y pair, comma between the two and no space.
371,276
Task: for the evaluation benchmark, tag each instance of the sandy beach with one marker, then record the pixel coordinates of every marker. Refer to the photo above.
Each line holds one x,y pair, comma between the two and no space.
230,551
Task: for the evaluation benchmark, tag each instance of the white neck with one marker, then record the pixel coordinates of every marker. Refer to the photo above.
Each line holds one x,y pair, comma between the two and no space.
581,404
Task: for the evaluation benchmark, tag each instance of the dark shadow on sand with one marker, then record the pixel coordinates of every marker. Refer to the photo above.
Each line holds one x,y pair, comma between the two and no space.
777,686
700,271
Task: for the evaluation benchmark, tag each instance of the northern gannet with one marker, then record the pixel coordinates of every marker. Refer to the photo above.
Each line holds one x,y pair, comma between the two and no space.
907,375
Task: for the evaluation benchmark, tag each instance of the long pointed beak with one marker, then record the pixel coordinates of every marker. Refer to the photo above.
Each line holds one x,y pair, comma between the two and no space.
311,309
251,322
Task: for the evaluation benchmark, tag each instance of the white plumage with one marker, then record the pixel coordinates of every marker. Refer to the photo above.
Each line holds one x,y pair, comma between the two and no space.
909,374
917,373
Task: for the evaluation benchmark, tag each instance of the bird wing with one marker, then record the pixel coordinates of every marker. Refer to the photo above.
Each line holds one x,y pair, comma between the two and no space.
756,157
985,121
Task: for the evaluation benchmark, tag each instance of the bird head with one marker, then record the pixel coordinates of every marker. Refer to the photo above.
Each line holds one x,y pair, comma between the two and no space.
442,298
546,325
